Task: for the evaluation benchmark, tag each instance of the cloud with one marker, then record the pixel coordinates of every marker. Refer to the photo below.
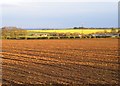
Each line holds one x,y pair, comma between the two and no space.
59,14
27,1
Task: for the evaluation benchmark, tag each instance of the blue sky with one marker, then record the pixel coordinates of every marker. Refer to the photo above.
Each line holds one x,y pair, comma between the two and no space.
60,14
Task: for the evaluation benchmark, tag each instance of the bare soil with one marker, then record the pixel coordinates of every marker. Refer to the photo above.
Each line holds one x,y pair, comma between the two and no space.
70,62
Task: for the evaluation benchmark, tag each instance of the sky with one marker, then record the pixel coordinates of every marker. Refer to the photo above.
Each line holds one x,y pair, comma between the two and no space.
59,14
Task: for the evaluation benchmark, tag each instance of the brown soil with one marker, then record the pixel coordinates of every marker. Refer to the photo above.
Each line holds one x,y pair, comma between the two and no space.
73,62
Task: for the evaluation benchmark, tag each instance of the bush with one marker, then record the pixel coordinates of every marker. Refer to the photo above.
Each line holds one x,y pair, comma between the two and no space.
63,37
42,37
53,37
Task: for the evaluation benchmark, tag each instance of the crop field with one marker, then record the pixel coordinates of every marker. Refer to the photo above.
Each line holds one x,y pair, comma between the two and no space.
70,61
81,31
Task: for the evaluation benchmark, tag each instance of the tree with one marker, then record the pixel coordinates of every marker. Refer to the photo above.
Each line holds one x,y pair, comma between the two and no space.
4,33
105,31
113,30
13,33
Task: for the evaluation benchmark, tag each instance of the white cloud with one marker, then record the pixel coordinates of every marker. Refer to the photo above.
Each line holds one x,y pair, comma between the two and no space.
19,1
9,3
39,12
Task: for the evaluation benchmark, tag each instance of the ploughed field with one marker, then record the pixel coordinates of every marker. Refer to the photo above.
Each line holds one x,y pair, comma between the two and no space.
77,61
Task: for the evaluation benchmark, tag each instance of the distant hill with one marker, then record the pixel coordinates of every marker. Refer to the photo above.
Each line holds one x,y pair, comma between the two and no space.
44,28
10,28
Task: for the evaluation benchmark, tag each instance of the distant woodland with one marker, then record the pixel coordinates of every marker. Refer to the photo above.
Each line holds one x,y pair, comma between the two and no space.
19,33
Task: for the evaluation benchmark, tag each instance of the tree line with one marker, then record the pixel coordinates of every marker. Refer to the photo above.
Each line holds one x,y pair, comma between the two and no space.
18,33
13,33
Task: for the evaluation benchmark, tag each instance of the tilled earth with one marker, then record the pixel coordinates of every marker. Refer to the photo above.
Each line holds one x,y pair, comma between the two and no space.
69,62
